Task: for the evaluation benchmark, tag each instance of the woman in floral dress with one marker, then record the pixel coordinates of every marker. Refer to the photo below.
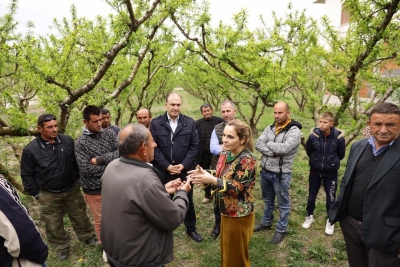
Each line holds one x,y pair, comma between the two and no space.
233,183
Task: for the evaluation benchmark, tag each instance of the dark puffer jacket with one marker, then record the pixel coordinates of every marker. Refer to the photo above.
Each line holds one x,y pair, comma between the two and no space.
325,152
50,167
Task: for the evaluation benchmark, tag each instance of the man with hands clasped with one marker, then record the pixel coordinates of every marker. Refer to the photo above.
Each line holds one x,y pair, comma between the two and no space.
177,145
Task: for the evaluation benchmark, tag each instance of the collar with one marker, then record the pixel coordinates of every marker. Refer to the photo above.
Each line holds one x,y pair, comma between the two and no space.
371,142
85,131
140,163
169,118
46,144
278,129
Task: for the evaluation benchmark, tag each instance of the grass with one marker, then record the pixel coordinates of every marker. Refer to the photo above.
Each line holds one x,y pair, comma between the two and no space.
311,247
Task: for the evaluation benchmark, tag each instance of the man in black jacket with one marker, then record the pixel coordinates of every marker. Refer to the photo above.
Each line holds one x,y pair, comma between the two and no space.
204,128
177,145
368,204
50,174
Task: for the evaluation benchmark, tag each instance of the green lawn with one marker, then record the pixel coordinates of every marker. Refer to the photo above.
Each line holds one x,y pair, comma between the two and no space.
301,247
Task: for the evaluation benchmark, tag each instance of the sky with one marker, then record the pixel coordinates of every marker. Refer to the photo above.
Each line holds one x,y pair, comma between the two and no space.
42,12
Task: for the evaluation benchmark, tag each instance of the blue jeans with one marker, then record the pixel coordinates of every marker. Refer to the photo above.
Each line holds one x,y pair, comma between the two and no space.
271,187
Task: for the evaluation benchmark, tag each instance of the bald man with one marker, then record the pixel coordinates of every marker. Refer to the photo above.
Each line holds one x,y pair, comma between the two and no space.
278,145
143,116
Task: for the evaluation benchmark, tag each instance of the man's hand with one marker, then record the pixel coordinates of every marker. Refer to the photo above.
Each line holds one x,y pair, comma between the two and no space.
93,161
173,185
173,170
186,185
179,167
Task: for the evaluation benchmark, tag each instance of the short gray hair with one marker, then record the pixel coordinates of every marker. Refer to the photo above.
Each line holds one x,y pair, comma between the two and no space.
227,101
133,140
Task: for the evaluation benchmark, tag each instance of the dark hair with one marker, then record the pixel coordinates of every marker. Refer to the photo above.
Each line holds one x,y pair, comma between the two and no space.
205,105
173,93
90,110
385,108
45,118
105,111
133,140
243,131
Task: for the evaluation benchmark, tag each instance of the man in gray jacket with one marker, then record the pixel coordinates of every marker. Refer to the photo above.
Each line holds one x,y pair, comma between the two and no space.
138,215
278,144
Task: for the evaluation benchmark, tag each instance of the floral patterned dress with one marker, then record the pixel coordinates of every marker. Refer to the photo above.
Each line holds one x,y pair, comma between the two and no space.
235,188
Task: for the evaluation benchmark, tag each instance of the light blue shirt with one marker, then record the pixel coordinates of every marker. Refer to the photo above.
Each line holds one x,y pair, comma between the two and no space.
371,142
215,148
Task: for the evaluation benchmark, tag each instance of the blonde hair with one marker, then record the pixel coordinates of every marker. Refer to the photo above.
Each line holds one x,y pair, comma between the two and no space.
327,116
243,131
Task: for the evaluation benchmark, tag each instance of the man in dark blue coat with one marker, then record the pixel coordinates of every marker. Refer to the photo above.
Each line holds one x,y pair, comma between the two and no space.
177,145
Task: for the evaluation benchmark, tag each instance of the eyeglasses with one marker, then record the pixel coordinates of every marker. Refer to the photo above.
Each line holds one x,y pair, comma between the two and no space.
47,119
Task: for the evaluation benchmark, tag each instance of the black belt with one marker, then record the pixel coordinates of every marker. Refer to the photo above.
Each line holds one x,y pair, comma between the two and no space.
59,190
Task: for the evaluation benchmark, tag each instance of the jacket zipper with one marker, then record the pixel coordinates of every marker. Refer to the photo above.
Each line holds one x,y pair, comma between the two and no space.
323,156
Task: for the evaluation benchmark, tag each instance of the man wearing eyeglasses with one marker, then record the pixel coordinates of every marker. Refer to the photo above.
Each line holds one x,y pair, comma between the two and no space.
50,174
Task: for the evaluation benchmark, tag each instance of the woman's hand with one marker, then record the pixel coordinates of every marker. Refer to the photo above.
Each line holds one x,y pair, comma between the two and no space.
200,176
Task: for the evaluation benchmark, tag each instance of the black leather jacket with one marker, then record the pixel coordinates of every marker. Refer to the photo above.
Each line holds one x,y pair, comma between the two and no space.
50,167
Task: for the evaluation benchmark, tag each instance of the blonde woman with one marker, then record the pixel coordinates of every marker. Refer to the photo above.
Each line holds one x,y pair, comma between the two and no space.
233,182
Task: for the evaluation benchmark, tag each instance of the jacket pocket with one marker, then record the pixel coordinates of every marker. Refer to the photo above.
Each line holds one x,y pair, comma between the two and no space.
392,221
184,138
162,140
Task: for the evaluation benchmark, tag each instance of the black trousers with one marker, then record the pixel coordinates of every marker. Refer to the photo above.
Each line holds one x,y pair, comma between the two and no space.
358,254
205,164
314,183
190,219
217,212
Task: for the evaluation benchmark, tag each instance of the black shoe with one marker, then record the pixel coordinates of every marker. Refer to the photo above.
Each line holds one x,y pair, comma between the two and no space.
261,227
215,231
63,255
278,237
195,236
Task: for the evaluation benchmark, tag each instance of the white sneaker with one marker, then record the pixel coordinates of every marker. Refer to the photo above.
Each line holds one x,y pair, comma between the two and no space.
329,228
104,256
308,222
